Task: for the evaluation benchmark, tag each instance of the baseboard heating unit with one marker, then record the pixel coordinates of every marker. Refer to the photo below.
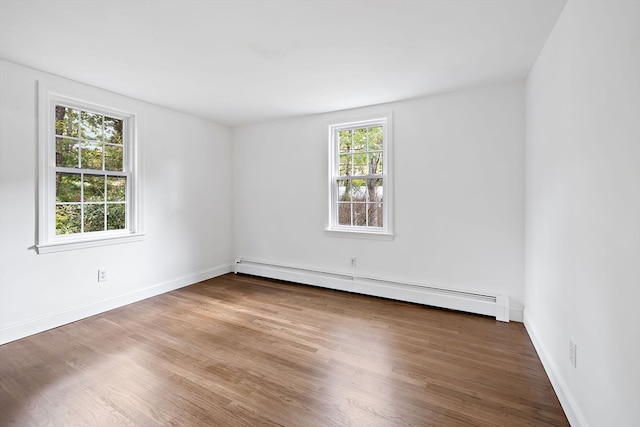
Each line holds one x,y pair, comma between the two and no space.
488,305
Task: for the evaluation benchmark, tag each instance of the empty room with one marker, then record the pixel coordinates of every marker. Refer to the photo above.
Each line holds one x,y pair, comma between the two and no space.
320,213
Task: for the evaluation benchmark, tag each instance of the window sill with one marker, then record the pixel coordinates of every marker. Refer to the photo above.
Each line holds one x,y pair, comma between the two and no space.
357,234
70,245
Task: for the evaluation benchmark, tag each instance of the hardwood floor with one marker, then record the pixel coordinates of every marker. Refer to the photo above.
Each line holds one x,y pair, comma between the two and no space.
245,351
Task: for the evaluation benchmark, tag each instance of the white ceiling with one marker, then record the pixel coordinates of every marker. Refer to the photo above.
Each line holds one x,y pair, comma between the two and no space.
238,62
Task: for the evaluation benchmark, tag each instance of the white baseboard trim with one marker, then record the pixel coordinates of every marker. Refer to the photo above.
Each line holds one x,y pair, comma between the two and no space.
516,314
33,326
490,305
567,401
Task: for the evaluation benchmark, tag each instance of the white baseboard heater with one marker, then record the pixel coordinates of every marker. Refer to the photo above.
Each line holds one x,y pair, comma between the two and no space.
488,305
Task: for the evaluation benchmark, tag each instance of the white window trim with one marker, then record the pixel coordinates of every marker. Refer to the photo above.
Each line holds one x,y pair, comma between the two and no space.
47,240
333,229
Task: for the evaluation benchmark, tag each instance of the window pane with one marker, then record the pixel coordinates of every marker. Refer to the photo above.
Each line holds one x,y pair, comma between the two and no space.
375,214
359,173
360,164
345,165
116,216
375,138
344,190
68,219
94,188
67,153
358,190
94,217
359,214
91,126
375,163
67,187
344,213
374,190
113,157
116,188
66,121
344,137
360,140
113,130
91,171
91,155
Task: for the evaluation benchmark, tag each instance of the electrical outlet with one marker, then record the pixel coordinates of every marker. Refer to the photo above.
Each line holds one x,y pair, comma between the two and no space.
572,353
353,262
102,275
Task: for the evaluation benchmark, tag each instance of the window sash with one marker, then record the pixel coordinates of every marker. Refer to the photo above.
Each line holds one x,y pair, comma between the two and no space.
83,201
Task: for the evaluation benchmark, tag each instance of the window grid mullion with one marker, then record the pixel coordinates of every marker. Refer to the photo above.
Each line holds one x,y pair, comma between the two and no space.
104,164
352,167
351,212
82,202
366,198
104,201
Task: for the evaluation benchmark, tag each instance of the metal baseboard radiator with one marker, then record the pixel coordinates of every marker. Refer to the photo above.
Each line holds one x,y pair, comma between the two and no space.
470,302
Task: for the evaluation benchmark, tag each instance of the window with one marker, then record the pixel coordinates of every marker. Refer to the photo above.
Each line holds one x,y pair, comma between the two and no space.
360,201
88,181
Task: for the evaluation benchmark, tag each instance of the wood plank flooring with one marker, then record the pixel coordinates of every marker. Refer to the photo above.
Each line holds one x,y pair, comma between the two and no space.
246,351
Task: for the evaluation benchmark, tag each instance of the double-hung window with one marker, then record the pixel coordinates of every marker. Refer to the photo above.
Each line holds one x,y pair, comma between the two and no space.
87,185
360,178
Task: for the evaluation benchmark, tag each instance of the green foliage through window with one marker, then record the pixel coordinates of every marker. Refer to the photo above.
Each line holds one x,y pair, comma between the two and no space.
90,192
359,181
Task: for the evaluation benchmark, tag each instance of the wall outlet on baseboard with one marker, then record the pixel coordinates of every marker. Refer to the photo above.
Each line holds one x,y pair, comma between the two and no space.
572,353
102,275
353,262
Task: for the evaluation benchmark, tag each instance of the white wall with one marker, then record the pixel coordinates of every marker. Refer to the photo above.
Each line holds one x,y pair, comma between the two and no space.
187,199
459,202
583,210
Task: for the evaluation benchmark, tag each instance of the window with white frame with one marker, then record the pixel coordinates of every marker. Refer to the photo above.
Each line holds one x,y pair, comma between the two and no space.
88,181
360,180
